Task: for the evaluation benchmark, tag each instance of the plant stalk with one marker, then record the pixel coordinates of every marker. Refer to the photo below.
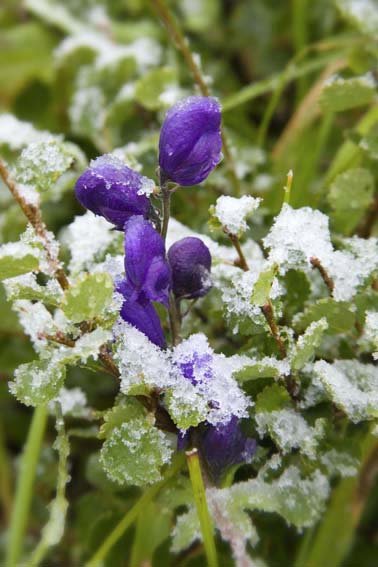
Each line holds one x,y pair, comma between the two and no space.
132,514
24,489
199,493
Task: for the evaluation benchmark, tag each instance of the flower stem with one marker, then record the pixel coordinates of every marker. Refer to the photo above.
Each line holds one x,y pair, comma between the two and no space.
202,508
132,514
24,490
166,194
182,44
287,188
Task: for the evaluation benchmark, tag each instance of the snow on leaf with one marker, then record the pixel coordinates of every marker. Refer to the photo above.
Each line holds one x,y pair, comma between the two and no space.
307,344
16,134
352,386
27,287
341,94
17,258
88,297
134,450
38,382
186,531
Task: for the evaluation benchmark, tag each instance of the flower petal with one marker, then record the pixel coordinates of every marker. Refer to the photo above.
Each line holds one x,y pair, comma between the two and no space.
144,318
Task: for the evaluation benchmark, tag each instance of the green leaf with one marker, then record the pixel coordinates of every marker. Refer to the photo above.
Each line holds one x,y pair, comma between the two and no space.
262,288
42,163
272,398
342,94
369,143
27,287
266,368
199,17
134,450
186,531
300,501
88,297
297,291
350,196
17,258
152,85
38,382
338,314
307,344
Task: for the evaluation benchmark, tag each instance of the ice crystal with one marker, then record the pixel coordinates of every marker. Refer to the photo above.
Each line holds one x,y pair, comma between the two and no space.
232,213
17,134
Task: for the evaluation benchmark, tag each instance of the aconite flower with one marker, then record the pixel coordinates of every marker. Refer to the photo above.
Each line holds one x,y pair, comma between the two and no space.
147,279
190,140
114,191
190,262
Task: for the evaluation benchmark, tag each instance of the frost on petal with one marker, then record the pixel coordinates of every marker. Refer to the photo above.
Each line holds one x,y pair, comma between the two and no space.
202,375
232,213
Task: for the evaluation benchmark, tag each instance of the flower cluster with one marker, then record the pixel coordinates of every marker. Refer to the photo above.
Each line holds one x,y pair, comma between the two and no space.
189,149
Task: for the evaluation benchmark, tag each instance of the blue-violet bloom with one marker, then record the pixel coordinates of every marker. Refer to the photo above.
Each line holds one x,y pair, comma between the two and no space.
190,140
225,445
190,262
148,278
114,191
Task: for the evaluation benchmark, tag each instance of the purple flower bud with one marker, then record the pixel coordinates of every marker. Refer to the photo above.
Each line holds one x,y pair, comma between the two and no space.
225,445
190,262
190,140
111,189
148,278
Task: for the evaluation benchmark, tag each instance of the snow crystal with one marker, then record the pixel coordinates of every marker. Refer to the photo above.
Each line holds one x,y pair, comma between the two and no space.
290,430
351,267
232,213
16,134
72,401
147,187
352,386
87,237
36,321
140,362
18,250
28,283
297,235
365,80
371,329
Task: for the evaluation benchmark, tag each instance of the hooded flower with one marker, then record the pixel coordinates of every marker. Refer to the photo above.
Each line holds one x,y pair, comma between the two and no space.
112,190
147,279
190,262
225,445
190,140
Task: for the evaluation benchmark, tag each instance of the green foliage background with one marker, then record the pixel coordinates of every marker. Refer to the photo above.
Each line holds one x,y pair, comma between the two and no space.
268,62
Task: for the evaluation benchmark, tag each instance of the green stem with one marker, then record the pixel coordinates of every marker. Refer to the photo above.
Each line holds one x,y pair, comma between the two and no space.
5,477
130,516
166,193
199,493
337,530
300,33
24,490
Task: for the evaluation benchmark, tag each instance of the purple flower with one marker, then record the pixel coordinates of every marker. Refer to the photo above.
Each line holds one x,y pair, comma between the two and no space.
190,140
111,189
225,445
148,278
190,262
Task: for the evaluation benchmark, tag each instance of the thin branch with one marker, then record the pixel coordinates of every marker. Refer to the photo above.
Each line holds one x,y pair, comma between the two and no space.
242,262
33,214
182,45
268,312
315,262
